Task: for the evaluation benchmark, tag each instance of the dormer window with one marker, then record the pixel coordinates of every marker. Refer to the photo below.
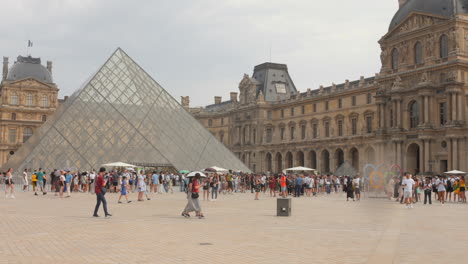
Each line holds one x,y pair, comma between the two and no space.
280,88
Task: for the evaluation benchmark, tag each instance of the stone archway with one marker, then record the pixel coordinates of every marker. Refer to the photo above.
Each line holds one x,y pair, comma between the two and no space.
289,160
269,162
279,162
354,155
300,161
325,162
313,159
413,156
339,157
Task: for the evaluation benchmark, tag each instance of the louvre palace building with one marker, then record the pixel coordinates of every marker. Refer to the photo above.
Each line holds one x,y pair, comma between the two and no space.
28,97
412,113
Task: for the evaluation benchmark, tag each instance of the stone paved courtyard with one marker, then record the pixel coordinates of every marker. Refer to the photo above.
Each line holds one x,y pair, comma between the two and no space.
237,229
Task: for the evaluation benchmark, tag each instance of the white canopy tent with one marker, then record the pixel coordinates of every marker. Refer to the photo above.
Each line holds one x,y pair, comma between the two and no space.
119,164
455,172
219,169
298,169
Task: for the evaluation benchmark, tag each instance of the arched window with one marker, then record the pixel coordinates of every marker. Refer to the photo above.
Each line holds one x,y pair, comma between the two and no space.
45,101
418,53
13,116
14,99
443,46
29,99
394,59
414,114
27,133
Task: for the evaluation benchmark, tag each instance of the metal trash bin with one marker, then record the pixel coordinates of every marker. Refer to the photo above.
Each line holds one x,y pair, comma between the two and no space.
283,207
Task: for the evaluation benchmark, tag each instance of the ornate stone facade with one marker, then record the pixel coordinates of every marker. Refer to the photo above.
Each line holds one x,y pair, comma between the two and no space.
413,113
27,98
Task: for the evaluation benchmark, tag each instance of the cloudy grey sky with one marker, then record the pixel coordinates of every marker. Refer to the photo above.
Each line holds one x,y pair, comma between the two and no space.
201,48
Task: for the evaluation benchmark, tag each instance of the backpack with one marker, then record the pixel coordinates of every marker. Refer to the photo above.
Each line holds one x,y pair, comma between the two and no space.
449,183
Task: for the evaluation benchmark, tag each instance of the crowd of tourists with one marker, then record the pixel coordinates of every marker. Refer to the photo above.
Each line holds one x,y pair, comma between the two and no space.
409,189
63,183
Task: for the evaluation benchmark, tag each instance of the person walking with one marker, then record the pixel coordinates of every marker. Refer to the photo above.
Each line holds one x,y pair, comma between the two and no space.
427,191
193,203
462,190
440,183
40,182
214,187
141,186
299,181
9,184
68,182
123,190
257,186
349,189
284,189
409,185
25,180
100,191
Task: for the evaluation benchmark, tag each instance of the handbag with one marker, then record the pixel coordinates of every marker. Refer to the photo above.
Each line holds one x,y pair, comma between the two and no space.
103,190
195,195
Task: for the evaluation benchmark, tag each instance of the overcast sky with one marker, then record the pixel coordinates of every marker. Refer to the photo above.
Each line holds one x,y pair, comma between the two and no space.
200,48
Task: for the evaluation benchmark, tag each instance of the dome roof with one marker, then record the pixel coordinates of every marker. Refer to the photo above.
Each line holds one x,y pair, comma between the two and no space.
445,8
28,67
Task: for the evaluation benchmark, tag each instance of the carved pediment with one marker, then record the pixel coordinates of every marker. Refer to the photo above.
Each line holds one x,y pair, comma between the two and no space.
415,21
30,83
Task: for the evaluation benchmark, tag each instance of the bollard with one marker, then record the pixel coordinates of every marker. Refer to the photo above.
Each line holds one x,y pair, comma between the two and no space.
283,207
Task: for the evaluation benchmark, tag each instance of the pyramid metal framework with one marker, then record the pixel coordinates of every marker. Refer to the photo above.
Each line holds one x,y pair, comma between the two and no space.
122,114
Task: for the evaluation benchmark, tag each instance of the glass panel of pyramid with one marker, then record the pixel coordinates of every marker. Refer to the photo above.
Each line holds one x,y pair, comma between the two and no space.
122,114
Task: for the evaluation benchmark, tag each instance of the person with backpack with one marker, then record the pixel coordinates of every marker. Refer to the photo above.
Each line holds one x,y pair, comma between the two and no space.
448,196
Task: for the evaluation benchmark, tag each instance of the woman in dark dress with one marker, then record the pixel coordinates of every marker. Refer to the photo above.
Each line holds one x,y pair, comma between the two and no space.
349,189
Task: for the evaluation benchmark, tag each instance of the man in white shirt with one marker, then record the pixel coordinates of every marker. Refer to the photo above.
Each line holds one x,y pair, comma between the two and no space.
357,190
408,184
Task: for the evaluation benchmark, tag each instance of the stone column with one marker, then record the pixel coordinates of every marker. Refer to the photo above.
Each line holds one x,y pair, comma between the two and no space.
455,164
460,105
426,110
453,109
427,152
399,111
450,156
421,110
449,108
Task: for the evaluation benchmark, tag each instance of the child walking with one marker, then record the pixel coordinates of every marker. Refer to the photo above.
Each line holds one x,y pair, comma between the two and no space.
123,190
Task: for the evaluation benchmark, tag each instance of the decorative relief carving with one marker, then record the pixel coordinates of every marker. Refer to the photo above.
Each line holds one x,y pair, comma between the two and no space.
417,22
403,51
430,45
397,84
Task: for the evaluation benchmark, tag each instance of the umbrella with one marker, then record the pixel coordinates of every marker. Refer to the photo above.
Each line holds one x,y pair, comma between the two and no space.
118,164
184,171
130,169
455,172
209,170
192,174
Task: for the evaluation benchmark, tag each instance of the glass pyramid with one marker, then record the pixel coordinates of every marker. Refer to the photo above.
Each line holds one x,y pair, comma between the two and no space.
122,114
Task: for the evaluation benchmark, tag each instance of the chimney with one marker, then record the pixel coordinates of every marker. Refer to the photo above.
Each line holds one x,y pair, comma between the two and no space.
402,2
217,99
5,68
185,101
233,96
49,66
